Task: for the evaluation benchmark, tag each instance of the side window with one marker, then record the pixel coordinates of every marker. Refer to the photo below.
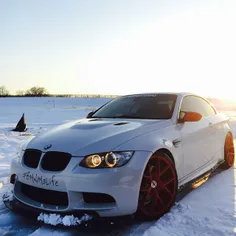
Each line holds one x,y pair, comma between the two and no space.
209,110
196,104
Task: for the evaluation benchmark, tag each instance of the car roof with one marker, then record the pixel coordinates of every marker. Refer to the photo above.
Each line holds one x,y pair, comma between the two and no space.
179,94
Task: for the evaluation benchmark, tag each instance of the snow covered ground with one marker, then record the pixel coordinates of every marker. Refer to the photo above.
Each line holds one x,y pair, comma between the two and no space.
206,210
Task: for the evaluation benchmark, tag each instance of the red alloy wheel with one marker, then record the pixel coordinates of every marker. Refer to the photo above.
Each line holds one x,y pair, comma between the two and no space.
229,150
158,188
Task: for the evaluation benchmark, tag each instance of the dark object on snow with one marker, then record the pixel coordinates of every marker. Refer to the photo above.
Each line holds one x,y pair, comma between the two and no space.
21,125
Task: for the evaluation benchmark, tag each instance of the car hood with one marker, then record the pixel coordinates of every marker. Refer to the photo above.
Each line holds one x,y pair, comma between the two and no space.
87,136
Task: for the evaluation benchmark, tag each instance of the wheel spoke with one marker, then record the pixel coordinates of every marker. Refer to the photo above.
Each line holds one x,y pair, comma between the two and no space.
163,171
231,149
154,202
229,141
158,168
230,158
166,189
158,197
168,182
230,154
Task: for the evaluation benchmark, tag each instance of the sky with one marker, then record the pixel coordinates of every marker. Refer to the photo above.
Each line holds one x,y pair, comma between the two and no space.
119,47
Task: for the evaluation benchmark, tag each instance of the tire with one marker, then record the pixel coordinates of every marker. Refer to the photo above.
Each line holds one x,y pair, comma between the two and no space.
158,187
228,151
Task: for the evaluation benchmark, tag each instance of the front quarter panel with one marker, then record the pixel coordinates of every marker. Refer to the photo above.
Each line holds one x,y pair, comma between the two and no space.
156,140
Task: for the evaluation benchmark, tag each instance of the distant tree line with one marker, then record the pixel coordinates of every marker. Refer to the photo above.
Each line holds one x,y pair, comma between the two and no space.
42,92
32,92
3,91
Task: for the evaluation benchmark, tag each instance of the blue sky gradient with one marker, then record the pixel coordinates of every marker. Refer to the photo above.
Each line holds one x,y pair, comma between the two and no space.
118,47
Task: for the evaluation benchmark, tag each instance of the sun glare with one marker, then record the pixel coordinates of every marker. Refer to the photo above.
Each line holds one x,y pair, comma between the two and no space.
186,52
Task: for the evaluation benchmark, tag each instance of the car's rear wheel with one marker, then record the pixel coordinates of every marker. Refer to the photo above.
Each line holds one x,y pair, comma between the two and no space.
158,188
228,151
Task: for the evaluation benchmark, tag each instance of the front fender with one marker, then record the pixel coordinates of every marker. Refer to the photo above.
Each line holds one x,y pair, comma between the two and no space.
156,140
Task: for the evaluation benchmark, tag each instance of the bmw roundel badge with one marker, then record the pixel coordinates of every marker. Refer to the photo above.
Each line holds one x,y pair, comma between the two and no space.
47,146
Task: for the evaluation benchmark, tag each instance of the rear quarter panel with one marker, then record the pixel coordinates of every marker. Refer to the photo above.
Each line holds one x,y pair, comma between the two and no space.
220,128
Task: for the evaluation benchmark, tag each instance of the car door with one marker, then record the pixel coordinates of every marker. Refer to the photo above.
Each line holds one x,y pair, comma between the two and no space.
195,135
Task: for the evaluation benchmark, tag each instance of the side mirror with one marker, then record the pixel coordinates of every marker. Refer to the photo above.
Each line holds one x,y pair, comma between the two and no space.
191,117
90,114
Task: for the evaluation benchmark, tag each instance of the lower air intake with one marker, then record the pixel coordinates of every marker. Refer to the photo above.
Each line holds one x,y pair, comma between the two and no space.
45,196
98,198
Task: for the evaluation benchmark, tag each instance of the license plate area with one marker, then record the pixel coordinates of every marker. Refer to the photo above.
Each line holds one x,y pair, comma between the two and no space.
45,181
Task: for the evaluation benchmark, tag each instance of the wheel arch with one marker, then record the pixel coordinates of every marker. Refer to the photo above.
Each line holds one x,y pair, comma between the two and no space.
166,151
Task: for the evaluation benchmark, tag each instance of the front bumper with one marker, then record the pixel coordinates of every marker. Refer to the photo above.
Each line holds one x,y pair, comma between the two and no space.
25,210
121,183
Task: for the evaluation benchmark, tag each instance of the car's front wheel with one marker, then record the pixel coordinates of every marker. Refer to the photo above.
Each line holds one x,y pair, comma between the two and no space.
158,188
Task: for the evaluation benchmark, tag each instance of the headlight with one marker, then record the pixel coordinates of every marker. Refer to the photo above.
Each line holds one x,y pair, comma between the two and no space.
107,160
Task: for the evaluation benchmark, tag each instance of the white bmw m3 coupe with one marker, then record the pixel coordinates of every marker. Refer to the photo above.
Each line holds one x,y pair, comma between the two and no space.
130,156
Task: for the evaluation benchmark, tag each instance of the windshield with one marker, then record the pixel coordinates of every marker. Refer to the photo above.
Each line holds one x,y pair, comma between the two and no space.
151,106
